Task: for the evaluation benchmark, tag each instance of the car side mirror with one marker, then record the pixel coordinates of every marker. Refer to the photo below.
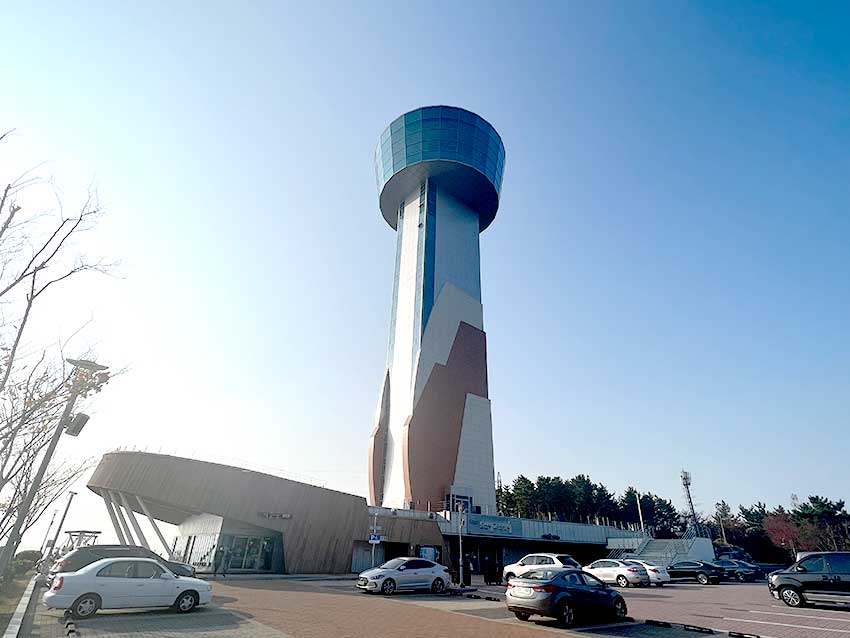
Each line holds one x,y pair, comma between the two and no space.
401,568
166,576
521,564
800,568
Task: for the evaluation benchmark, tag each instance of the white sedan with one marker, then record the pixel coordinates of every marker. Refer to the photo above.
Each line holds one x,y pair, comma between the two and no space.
118,583
620,572
657,574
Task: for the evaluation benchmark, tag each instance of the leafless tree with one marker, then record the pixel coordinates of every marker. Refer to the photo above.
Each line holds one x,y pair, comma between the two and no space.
37,253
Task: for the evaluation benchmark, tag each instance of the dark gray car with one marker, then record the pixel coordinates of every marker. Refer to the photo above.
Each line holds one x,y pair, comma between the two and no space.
562,594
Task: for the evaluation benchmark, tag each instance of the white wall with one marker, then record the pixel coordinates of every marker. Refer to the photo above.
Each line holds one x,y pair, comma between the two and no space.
475,455
401,370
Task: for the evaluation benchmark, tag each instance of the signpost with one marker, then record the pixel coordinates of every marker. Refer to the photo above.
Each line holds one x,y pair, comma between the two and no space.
374,537
460,509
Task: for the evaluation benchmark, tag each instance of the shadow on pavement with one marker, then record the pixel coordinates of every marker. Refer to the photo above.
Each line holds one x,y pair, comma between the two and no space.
204,619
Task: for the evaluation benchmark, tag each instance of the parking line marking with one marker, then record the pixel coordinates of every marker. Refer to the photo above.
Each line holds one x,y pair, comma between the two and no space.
779,613
826,611
782,624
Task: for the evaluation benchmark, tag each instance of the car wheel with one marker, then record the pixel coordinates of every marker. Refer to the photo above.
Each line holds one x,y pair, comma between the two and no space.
791,597
508,576
659,584
702,579
522,616
186,602
566,615
620,609
388,587
622,581
740,577
85,606
438,586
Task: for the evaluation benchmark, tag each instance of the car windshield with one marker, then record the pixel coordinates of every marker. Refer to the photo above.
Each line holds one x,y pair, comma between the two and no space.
566,560
393,564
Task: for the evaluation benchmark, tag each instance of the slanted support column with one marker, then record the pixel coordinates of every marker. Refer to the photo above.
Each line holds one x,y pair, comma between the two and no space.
132,516
120,514
108,502
155,527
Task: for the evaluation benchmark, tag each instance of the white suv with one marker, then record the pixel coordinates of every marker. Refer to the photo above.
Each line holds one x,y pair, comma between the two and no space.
532,561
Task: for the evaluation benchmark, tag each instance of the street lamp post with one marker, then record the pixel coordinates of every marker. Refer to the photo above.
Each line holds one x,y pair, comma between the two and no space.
47,533
23,509
71,496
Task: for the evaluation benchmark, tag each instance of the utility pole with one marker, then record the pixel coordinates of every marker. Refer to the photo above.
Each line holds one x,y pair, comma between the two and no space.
47,533
686,483
640,512
722,529
71,496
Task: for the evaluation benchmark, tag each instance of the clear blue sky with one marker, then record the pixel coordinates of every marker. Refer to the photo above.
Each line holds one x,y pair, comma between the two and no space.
666,285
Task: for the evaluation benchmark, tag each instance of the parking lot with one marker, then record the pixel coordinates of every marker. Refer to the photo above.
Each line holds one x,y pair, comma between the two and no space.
331,607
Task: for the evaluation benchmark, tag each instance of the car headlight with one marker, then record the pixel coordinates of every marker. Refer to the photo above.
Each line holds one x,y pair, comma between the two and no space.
376,577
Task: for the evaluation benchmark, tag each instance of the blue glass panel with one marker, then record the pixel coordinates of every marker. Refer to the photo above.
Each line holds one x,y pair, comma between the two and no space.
413,116
412,127
413,138
430,124
397,125
430,111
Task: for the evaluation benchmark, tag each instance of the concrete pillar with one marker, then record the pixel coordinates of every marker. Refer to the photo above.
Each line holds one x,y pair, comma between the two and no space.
124,526
132,516
108,502
155,527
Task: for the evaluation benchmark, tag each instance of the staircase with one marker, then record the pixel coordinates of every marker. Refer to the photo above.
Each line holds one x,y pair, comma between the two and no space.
663,552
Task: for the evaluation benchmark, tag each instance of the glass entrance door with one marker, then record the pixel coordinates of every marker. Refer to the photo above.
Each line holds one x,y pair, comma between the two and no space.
252,553
237,551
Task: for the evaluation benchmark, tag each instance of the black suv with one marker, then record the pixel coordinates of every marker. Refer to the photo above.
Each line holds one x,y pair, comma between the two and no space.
822,577
82,556
698,570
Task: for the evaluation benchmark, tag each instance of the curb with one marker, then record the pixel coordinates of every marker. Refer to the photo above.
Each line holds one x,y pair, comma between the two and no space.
17,619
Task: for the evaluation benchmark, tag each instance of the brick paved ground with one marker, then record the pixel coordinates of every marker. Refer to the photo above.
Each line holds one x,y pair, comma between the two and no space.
334,609
205,622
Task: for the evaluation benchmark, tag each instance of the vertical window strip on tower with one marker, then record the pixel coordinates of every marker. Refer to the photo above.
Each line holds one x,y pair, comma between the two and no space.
430,230
394,308
420,267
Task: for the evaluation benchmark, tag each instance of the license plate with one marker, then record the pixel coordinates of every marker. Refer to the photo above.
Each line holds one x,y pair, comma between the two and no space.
523,592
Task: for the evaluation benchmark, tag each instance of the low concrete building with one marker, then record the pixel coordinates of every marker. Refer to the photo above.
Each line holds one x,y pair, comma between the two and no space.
276,525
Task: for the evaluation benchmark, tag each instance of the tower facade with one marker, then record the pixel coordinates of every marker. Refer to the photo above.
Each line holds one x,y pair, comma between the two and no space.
439,172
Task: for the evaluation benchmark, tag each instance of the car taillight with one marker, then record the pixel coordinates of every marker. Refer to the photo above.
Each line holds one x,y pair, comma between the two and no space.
60,565
545,588
57,584
654,571
509,585
632,569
